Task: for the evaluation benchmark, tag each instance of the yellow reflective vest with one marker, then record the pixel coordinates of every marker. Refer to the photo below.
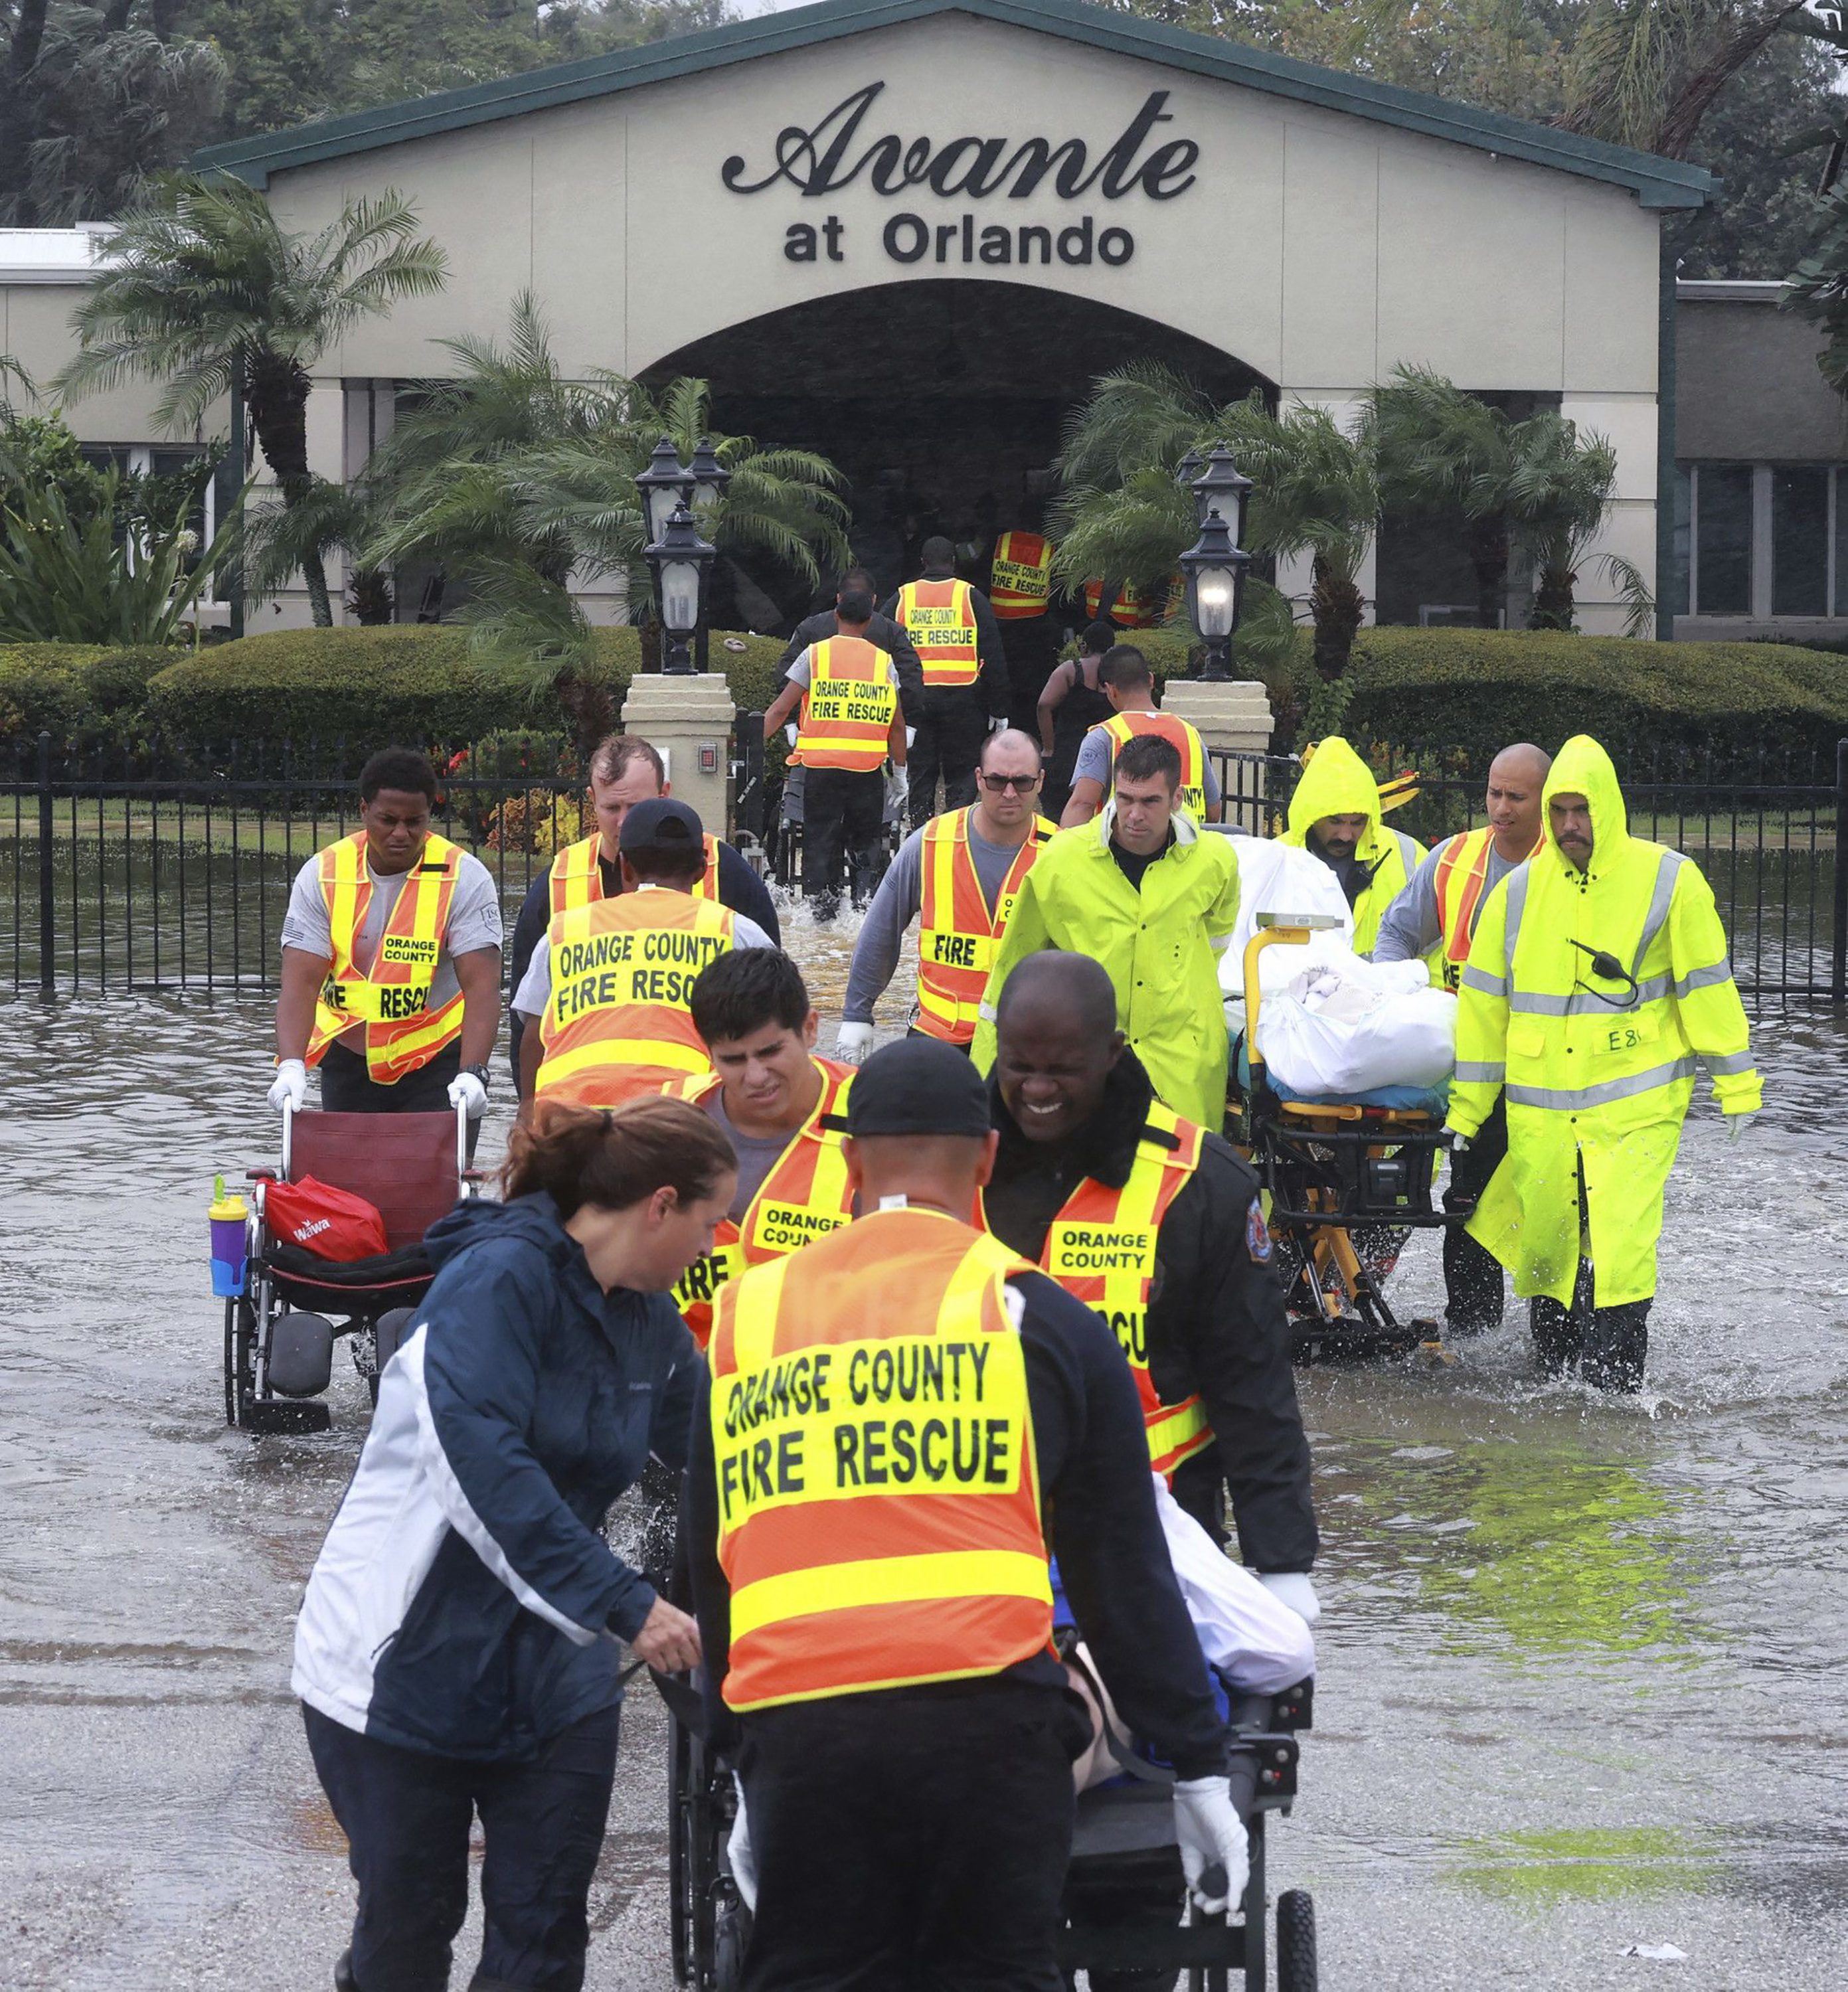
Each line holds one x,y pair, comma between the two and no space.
1597,1070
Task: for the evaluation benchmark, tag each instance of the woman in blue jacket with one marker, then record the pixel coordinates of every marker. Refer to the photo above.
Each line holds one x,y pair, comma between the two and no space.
457,1650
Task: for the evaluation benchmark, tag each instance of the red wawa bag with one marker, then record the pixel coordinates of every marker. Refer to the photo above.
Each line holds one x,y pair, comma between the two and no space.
331,1223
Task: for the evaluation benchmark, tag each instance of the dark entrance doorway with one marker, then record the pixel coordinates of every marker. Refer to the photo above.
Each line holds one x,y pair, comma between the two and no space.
941,400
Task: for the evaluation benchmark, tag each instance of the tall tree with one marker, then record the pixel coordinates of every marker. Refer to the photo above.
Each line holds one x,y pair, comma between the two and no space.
200,282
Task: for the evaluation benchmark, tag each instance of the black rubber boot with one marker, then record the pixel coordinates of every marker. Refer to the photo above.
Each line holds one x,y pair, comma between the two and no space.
1616,1346
344,1980
1556,1335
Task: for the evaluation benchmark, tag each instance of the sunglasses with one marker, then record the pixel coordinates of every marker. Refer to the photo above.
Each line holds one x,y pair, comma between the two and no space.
1020,784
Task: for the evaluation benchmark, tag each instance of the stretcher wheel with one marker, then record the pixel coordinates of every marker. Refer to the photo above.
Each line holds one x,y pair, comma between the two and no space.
1295,1941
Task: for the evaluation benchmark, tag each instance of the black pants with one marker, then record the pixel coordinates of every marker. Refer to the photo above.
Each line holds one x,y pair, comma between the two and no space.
407,1816
840,816
1198,1487
910,1842
1608,1345
1473,1285
950,737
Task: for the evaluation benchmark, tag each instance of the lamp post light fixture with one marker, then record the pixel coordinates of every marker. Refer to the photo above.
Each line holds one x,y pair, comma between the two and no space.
1221,488
1186,471
680,560
1215,567
707,479
665,484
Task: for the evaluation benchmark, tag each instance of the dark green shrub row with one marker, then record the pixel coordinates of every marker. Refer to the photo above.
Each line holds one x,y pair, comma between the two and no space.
83,696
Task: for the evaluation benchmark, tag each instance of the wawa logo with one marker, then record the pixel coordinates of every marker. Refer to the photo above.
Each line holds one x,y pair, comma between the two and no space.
302,1232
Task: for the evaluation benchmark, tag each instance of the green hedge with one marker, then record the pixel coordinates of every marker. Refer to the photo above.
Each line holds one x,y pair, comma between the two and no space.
411,684
83,695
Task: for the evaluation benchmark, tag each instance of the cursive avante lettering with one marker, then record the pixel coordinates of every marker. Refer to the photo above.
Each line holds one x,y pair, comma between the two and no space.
823,158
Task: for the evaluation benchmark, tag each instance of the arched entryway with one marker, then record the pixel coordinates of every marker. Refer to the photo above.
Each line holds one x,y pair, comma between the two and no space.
940,399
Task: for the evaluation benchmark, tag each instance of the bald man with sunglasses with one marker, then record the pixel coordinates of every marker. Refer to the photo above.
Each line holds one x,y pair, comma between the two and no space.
960,874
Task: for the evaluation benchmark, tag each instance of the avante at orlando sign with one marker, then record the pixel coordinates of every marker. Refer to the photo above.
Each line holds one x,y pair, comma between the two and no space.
840,151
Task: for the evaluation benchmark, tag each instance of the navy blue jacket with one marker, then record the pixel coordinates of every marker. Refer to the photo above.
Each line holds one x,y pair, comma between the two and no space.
462,1600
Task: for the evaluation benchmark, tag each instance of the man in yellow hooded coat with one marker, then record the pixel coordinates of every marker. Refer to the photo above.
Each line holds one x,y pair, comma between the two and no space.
1335,813
1597,982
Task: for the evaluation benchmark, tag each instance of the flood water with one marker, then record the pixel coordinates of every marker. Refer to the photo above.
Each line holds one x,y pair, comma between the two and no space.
1584,1663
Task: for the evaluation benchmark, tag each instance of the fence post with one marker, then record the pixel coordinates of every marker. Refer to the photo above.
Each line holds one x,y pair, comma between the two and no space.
47,896
1838,967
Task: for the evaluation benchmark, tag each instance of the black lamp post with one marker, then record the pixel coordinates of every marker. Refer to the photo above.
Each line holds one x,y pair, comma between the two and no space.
1186,471
665,484
680,560
707,479
1215,567
1221,488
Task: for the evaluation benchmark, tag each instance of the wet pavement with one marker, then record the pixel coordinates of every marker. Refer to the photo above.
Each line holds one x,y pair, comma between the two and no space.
1582,1679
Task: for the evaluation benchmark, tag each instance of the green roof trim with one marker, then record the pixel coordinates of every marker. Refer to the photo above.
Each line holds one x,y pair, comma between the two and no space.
1657,182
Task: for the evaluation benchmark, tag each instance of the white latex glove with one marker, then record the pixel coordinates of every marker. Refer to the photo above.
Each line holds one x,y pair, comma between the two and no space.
290,1084
1210,1834
1459,1144
898,789
790,732
997,721
1736,1124
854,1041
737,1850
466,1090
1293,1587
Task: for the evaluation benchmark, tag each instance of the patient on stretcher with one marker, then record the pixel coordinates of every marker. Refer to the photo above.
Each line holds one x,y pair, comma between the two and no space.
1251,1639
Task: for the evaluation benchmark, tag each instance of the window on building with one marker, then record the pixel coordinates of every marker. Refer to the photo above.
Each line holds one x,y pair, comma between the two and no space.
162,461
1762,540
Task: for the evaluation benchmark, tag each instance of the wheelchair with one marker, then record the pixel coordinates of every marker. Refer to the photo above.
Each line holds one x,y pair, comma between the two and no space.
280,1332
1344,1183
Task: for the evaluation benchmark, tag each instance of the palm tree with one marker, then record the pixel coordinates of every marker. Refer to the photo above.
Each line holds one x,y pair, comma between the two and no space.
201,287
1558,500
1121,513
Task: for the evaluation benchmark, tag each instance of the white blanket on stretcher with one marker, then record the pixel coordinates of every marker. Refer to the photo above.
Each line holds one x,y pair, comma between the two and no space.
1344,1027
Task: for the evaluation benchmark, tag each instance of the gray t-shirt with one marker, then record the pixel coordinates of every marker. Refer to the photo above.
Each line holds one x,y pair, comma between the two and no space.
535,990
474,921
1412,925
1097,755
758,1154
897,903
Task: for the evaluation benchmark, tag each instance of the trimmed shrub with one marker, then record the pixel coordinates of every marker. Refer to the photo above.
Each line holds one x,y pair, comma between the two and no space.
413,684
85,696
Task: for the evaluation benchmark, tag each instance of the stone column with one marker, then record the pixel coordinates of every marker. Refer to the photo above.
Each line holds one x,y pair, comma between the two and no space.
1230,718
688,721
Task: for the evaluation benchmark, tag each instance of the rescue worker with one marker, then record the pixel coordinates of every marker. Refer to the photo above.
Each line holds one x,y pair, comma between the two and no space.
1070,703
879,1657
779,1105
1130,685
958,877
966,684
390,961
1020,588
1435,917
1597,980
1093,1171
610,987
1146,893
1335,813
850,724
882,632
624,770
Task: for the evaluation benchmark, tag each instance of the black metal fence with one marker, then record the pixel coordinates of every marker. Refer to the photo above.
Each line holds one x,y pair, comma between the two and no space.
1765,830
171,867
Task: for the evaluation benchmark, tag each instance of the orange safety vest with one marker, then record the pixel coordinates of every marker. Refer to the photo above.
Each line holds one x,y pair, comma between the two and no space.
619,1020
878,1493
957,934
1020,576
938,616
391,998
847,706
576,874
805,1196
1101,1249
1122,728
1131,610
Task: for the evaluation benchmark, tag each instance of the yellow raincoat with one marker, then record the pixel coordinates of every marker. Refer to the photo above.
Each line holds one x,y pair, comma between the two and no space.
1337,782
1597,1084
1160,947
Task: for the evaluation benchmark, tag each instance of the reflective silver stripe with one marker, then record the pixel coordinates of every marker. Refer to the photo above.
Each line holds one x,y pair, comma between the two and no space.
987,1012
1471,1073
1566,1101
1703,978
1516,889
1728,1062
1669,865
1585,1003
1489,985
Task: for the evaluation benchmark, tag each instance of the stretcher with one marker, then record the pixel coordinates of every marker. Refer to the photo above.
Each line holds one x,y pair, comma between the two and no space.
1344,1183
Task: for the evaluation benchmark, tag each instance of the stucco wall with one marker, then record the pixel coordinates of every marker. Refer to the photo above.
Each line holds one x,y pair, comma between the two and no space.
34,330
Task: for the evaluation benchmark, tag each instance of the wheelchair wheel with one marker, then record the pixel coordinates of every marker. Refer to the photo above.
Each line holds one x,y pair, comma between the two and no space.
1295,1941
679,1849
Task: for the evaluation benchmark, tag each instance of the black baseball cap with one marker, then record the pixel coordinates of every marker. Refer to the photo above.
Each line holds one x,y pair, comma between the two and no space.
659,824
919,1086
